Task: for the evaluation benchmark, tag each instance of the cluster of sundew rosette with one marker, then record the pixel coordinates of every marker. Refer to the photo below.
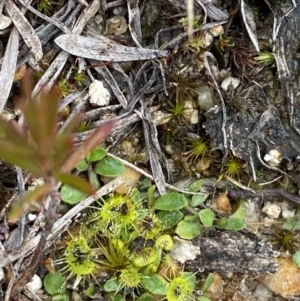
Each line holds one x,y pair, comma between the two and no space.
100,247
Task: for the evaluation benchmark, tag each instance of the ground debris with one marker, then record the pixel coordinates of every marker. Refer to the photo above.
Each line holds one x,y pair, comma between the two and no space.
234,252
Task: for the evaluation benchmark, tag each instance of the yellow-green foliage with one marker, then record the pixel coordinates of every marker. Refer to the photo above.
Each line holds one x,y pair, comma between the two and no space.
233,167
179,289
198,148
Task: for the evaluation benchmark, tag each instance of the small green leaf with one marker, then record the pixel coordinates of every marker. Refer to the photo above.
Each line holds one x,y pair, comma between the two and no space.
296,258
145,184
111,285
155,284
203,298
96,155
198,199
145,297
188,230
207,217
230,224
109,167
91,290
150,193
54,284
82,165
239,213
292,224
170,201
61,297
196,186
76,183
70,195
208,282
117,297
190,279
170,218
191,218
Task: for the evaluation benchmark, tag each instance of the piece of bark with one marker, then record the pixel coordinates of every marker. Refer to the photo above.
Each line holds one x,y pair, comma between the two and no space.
234,252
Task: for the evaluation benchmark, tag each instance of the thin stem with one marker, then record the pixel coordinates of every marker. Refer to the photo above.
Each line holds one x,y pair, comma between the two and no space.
191,210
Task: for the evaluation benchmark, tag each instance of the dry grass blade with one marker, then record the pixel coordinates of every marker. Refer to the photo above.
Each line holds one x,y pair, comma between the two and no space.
86,16
25,29
105,49
8,67
52,20
134,22
153,152
83,2
212,11
249,22
58,64
190,16
51,74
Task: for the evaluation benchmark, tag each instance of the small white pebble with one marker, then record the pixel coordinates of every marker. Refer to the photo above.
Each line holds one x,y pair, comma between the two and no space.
205,99
35,284
116,26
286,211
160,118
99,96
184,250
194,119
228,81
188,110
273,157
31,217
217,30
169,149
7,116
271,210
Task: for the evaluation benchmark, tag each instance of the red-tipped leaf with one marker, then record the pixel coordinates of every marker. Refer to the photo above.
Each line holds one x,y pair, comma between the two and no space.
64,142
